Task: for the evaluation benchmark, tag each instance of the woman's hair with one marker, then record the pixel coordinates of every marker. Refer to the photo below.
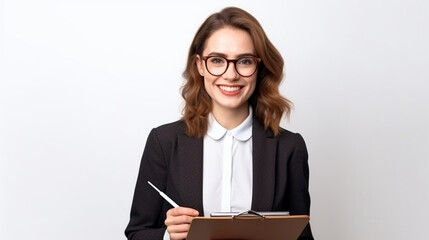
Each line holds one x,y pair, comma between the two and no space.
267,103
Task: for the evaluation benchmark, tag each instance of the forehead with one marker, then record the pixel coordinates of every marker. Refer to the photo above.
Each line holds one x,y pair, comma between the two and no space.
229,41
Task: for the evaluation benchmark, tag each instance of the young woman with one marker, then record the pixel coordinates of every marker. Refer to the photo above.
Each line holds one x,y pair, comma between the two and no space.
228,152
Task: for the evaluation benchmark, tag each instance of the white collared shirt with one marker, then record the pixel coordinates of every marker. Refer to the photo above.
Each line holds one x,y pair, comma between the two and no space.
228,167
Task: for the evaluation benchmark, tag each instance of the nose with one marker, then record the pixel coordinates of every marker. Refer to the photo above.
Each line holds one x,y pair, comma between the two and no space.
231,73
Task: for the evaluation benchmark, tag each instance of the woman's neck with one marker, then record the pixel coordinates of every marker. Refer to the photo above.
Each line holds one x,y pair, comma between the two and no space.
231,118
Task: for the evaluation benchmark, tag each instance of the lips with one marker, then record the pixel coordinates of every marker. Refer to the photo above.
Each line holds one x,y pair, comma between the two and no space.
230,90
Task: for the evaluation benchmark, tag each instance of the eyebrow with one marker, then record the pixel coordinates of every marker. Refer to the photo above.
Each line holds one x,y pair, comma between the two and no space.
225,56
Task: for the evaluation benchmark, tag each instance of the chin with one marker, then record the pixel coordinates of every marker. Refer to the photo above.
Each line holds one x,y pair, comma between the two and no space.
233,105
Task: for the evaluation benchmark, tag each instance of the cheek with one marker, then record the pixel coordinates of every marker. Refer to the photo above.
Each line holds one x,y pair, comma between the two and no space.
253,85
209,80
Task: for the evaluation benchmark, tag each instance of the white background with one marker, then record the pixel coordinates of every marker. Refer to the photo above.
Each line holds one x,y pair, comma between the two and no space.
82,83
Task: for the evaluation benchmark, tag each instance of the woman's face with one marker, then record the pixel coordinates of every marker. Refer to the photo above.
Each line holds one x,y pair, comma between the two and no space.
229,91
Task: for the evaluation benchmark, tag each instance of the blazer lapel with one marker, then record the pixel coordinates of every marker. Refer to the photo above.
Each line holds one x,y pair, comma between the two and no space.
190,171
264,159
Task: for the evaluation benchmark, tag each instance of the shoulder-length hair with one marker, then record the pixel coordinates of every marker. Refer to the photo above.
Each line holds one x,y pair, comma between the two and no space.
267,103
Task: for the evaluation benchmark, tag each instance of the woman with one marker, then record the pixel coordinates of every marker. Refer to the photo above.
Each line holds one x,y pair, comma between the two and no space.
228,152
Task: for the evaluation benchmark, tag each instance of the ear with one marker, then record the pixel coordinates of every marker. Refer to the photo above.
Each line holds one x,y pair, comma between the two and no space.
199,63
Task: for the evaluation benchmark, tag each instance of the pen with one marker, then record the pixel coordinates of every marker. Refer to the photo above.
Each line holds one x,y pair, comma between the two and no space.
163,195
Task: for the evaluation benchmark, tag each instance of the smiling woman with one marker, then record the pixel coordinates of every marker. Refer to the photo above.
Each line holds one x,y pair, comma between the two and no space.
249,39
228,152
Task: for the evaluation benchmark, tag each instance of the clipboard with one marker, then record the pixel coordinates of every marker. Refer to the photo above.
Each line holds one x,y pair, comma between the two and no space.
248,226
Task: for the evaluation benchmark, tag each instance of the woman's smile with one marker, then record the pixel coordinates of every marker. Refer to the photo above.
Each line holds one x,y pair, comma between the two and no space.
230,90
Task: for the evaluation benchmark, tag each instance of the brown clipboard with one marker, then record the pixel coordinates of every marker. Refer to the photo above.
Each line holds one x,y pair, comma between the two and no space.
247,228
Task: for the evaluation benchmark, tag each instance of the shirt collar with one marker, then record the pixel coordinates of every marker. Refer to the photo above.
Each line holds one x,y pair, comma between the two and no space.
242,132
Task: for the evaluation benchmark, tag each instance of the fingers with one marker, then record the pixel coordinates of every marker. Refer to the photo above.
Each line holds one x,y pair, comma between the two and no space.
178,232
180,215
182,211
178,221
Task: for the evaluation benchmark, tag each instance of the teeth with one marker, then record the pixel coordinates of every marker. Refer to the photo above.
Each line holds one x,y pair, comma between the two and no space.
229,89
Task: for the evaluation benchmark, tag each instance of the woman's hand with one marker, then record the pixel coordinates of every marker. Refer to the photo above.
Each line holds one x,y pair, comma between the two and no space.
178,221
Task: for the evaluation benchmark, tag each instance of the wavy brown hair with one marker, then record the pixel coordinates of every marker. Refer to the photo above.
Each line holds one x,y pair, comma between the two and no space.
267,103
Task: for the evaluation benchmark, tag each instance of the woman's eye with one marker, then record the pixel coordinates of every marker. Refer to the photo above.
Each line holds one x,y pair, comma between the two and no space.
245,61
216,60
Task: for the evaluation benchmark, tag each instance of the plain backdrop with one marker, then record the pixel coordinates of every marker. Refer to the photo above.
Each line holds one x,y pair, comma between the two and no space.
82,82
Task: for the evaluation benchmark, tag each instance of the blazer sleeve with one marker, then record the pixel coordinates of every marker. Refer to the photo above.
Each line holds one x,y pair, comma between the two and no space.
297,195
148,208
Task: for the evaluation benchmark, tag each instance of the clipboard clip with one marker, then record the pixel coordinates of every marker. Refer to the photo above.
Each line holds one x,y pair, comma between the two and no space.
248,213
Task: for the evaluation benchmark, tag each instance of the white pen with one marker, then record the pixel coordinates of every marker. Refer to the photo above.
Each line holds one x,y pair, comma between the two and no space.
164,195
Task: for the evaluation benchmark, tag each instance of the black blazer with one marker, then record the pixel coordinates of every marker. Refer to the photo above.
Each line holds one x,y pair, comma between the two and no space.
173,162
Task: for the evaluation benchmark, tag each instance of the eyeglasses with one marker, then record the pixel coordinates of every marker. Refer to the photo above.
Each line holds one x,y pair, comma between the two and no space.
245,66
